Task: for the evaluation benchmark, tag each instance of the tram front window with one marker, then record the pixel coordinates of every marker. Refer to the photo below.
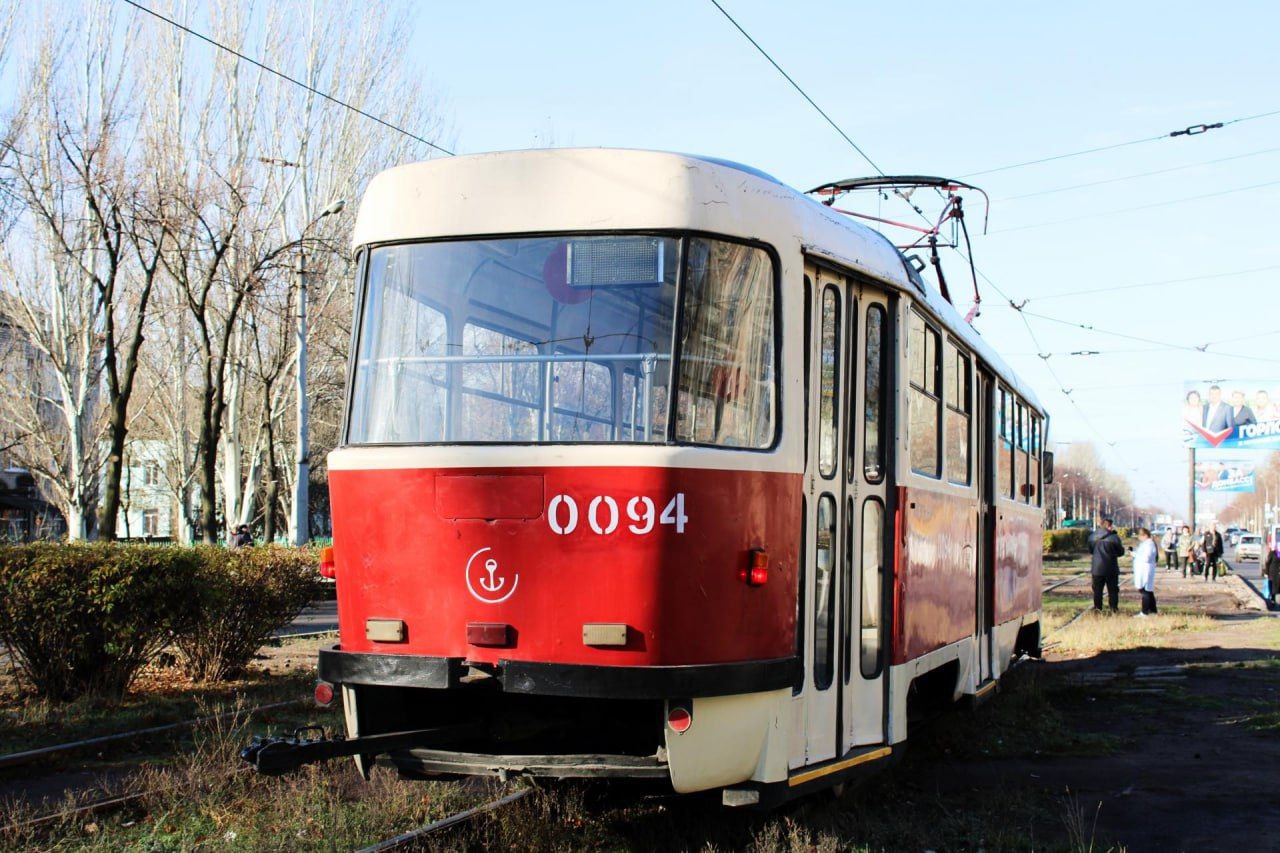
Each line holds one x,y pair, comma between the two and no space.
549,339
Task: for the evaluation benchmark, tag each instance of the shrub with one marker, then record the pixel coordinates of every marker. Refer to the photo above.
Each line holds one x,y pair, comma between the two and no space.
245,595
1071,540
83,618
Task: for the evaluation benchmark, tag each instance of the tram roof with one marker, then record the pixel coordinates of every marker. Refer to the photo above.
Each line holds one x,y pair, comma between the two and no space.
610,189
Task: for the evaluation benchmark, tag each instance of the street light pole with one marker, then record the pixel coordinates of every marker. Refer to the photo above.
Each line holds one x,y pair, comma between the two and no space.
301,533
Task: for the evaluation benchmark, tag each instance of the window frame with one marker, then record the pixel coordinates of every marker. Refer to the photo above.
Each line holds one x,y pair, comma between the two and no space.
882,433
681,236
963,358
936,396
833,424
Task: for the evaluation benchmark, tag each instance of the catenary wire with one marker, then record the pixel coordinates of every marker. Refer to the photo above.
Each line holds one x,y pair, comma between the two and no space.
797,87
1114,288
1183,347
1139,207
284,76
1190,131
1137,175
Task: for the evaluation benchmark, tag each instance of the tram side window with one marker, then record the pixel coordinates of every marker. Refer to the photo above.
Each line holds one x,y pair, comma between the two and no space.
1004,447
873,403
1037,492
956,389
829,390
727,378
925,401
1020,454
824,599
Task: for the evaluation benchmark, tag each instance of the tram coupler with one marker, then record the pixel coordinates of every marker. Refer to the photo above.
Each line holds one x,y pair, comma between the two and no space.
272,756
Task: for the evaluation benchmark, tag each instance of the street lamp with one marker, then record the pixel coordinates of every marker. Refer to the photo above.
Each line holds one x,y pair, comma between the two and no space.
301,533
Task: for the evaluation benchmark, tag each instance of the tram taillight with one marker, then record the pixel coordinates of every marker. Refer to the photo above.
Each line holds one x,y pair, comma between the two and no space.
328,568
756,572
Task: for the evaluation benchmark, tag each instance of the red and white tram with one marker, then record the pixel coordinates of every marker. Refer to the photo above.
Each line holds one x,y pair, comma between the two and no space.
655,468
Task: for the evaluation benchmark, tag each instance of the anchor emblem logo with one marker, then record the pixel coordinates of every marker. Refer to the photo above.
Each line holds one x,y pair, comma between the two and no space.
494,585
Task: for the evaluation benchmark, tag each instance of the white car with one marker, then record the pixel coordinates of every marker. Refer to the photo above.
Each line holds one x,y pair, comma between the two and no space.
1249,547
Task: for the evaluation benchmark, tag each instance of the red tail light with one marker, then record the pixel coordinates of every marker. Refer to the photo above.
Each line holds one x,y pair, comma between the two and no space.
328,568
679,719
756,572
324,693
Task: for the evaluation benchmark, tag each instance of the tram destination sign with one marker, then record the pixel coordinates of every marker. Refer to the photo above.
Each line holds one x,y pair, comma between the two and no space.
1231,414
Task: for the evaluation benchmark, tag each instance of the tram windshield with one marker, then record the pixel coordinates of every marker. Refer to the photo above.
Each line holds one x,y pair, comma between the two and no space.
566,339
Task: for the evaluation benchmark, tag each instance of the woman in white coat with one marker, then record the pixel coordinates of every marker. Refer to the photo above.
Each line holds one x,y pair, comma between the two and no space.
1145,557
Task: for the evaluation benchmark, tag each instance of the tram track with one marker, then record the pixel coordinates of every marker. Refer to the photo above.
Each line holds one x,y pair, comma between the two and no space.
404,839
17,759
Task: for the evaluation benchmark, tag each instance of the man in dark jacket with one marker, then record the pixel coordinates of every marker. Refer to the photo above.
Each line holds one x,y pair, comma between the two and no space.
1213,550
1271,572
1107,550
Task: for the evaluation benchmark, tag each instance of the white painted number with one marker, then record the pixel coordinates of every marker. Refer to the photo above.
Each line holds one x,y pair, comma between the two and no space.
673,513
553,515
593,514
645,517
640,509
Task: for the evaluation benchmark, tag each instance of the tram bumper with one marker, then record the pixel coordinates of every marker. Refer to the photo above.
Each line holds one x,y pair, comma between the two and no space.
561,722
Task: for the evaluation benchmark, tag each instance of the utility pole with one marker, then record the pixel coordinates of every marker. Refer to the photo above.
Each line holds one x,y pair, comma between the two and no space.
302,463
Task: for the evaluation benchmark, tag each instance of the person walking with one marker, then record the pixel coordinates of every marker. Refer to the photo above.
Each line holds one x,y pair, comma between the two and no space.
1107,550
1144,571
1213,550
242,538
1271,572
1186,543
1169,544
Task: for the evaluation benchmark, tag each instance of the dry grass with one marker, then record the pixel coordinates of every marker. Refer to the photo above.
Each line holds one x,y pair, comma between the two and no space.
1107,632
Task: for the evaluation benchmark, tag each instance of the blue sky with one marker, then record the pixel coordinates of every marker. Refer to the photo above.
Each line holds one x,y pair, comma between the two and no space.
952,89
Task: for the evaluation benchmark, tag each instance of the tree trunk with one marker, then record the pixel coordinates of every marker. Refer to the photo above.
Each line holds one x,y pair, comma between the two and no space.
109,505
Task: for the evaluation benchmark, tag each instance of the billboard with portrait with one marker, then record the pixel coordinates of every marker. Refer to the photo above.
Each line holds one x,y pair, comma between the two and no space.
1225,476
1230,414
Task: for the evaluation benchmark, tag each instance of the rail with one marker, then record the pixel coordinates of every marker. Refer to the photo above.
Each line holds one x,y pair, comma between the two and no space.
407,838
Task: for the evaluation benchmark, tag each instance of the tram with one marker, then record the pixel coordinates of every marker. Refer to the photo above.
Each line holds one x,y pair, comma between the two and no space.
654,468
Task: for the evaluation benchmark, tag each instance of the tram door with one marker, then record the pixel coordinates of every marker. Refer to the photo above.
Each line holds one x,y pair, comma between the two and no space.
986,522
842,693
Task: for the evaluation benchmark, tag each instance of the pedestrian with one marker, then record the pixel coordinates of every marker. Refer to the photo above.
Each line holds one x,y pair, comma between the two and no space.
1105,567
242,538
1144,571
1169,543
1212,544
1186,544
1271,574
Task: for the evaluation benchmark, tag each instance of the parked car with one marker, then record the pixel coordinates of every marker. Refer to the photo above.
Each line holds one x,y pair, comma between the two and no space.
1249,547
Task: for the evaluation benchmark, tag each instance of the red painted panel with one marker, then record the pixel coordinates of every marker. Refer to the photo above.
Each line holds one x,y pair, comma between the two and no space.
679,592
935,583
486,496
1019,562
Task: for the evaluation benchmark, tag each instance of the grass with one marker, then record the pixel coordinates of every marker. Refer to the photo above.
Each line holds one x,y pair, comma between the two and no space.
1264,722
158,696
1107,632
199,801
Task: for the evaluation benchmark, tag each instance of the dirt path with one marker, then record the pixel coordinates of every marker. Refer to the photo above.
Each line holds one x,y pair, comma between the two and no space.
1196,727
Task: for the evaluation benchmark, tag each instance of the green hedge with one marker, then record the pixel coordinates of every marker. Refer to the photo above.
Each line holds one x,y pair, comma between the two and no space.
1072,540
84,618
245,595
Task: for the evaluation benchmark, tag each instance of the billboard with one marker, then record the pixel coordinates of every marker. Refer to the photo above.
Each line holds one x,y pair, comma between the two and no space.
1224,476
1229,415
